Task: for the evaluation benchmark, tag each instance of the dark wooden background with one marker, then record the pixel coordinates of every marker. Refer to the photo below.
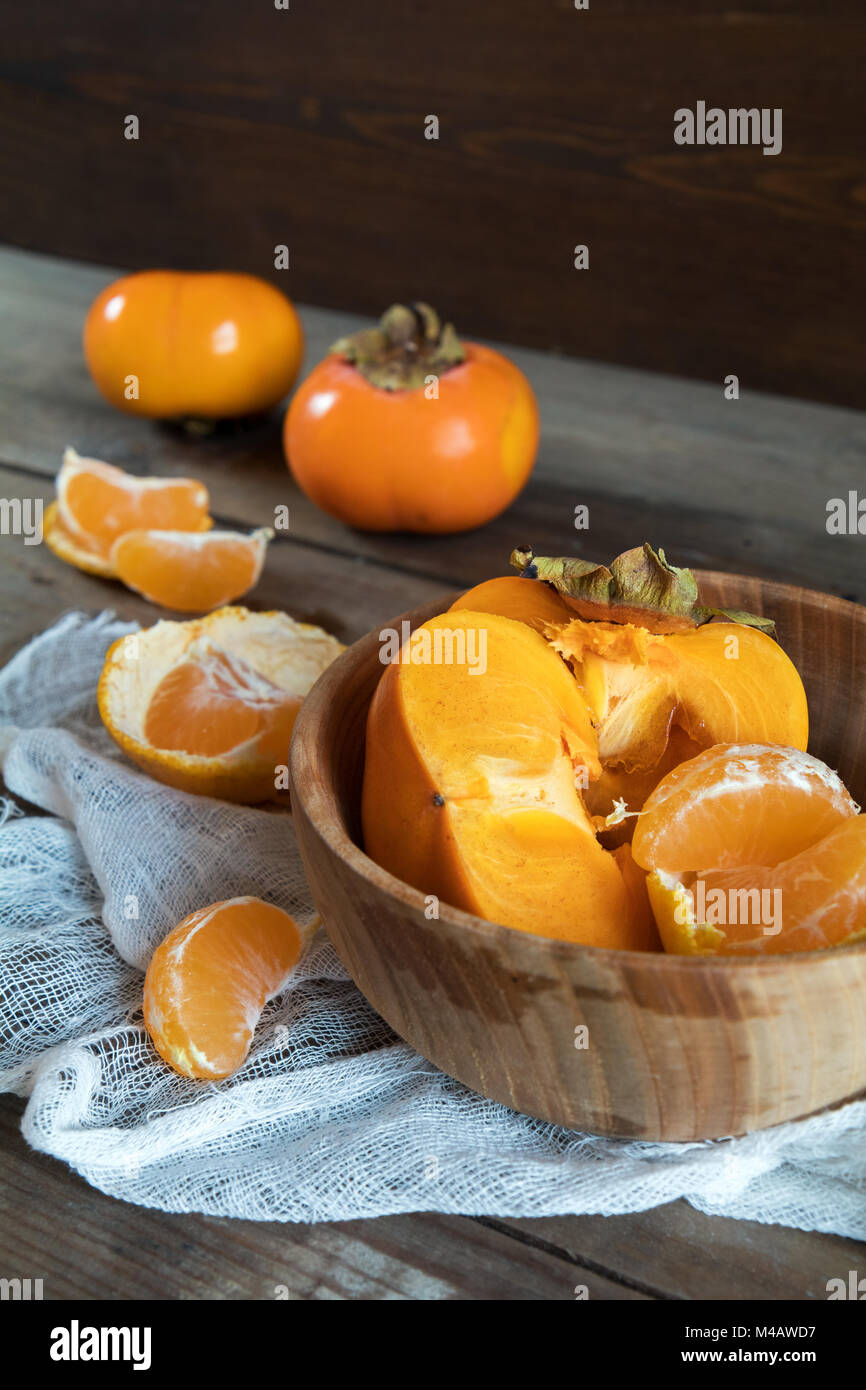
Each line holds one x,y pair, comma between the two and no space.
260,126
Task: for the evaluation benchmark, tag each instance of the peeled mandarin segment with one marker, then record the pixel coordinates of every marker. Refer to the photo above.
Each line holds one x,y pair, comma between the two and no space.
276,733
525,600
213,705
195,709
208,705
736,804
74,550
209,980
469,786
98,502
814,900
191,573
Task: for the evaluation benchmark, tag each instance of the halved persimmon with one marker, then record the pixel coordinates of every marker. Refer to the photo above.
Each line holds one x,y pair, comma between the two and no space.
513,597
663,676
478,742
722,683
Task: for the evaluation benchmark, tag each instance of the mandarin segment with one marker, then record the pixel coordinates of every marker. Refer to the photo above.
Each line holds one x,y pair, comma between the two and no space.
190,573
209,980
812,901
753,850
74,550
210,704
739,804
98,503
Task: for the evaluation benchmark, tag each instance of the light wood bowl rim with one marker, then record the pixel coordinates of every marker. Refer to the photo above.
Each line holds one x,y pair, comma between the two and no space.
306,749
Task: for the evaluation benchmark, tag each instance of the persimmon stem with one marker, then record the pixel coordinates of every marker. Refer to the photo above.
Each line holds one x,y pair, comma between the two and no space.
409,345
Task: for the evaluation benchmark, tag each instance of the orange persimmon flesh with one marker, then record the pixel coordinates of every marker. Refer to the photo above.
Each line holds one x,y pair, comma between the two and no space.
470,783
643,929
525,600
657,698
209,980
721,683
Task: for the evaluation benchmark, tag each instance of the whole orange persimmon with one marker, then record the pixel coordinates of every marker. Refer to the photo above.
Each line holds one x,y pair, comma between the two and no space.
405,428
204,345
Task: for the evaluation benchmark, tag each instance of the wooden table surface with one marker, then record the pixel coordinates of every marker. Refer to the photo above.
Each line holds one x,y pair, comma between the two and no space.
741,485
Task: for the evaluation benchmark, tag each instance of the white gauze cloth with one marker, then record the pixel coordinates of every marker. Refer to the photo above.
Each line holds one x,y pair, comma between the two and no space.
332,1117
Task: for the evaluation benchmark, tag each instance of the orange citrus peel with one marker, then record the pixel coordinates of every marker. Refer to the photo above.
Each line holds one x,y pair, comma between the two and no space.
208,706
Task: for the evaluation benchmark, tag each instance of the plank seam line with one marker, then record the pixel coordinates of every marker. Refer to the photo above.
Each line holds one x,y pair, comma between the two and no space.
323,548
578,1261
445,580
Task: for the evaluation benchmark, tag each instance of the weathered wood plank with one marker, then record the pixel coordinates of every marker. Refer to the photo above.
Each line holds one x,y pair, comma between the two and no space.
682,1253
115,1250
345,595
741,485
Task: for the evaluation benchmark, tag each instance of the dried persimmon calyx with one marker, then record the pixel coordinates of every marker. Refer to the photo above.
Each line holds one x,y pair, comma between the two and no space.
407,346
640,586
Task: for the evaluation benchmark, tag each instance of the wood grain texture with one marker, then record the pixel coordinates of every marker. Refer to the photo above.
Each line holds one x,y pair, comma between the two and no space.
737,485
682,1253
679,1048
306,127
113,1250
755,476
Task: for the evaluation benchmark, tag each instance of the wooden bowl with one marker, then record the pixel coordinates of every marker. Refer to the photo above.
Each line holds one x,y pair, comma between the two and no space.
678,1048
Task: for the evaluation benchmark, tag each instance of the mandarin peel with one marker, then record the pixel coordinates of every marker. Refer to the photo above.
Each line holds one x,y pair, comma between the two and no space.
208,705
